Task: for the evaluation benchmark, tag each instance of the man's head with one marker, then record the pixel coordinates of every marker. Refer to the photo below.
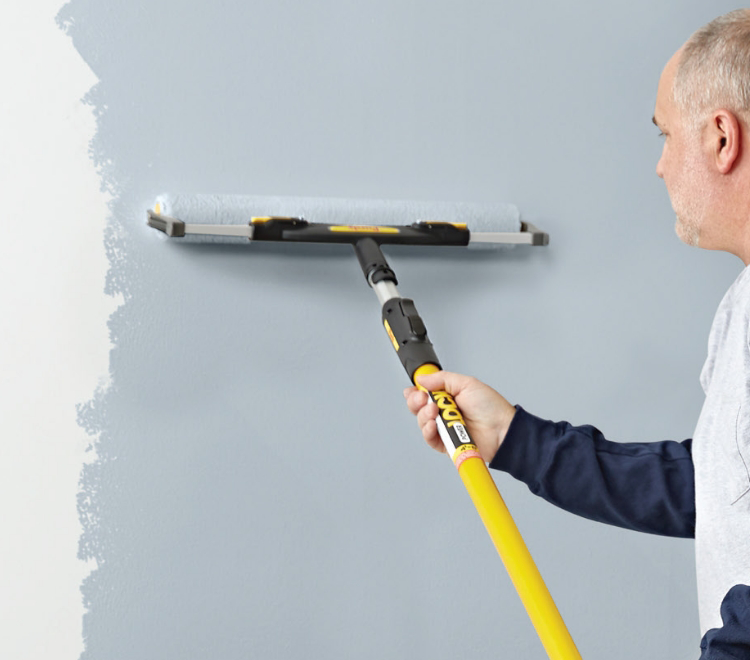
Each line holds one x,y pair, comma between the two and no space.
703,110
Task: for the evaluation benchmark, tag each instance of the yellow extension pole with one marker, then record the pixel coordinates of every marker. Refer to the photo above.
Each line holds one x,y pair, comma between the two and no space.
408,335
510,545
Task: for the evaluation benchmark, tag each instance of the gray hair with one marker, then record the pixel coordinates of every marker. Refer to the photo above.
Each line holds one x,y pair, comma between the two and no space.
714,69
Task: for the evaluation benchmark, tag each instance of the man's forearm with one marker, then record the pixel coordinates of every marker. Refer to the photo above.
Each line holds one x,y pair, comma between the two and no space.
648,487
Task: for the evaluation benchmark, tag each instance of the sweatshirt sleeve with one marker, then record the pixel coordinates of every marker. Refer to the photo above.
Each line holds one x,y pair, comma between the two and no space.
732,640
647,487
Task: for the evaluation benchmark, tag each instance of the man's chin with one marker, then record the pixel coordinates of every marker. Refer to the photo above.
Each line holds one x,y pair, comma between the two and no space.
687,233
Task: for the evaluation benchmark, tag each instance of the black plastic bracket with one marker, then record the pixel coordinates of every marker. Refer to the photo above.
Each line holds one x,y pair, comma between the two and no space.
372,260
408,334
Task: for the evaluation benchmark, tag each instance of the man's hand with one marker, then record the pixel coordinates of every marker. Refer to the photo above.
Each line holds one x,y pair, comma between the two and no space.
487,413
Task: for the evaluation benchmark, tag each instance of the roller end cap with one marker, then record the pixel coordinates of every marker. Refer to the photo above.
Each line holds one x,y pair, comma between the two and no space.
538,237
172,227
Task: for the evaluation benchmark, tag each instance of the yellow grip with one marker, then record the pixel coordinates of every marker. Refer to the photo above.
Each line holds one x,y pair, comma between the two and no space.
515,555
424,370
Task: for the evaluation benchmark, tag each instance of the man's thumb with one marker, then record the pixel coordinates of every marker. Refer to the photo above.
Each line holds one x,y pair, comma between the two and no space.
442,380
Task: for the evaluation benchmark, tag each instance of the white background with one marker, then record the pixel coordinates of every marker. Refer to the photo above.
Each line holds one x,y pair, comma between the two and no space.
53,330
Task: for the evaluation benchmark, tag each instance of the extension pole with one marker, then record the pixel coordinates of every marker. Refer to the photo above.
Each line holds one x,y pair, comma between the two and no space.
408,335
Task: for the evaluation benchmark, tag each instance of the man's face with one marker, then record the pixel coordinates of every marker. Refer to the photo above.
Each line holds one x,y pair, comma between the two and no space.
682,164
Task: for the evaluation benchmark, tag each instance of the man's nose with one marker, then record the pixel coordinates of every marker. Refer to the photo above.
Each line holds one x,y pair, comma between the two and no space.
660,167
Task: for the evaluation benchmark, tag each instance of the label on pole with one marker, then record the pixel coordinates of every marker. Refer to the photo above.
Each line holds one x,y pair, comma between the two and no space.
452,429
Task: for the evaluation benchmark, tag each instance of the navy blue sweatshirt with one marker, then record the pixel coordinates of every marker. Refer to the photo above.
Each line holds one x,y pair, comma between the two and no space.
647,487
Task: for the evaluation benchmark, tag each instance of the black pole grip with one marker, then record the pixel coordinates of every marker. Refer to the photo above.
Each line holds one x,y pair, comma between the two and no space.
408,335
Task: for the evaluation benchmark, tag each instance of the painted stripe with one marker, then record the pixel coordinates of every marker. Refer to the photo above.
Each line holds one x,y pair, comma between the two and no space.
469,451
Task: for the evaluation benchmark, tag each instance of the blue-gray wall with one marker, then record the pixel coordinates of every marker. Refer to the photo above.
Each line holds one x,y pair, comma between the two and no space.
260,489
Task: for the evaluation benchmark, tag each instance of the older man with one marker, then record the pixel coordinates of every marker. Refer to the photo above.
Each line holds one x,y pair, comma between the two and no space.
700,487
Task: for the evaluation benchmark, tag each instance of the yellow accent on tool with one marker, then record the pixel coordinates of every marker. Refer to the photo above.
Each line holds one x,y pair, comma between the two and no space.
394,341
512,549
457,225
364,229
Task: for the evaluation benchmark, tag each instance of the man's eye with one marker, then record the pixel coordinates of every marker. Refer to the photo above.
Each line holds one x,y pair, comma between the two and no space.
661,133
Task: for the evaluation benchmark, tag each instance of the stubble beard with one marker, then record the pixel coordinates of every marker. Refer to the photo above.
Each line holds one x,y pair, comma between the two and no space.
690,199
688,229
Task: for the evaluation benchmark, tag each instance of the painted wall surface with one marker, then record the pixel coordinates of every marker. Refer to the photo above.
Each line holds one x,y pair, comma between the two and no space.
261,490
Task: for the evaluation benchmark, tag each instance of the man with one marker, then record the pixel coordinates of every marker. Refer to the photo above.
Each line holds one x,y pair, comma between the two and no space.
697,488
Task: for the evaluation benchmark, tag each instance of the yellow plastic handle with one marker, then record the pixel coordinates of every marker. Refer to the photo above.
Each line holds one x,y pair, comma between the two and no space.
512,549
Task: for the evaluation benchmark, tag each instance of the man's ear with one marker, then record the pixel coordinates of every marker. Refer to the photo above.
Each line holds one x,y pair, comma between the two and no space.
725,140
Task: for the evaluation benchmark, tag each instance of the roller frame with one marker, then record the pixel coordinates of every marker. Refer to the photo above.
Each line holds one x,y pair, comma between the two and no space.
298,230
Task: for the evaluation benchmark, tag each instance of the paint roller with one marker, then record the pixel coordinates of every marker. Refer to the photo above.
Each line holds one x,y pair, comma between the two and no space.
221,218
367,225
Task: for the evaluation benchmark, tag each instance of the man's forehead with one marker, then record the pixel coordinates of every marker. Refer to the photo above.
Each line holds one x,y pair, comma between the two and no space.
664,92
666,85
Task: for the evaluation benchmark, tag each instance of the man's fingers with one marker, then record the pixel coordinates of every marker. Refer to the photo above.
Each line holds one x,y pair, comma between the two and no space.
432,382
408,391
431,435
416,401
426,411
427,414
447,381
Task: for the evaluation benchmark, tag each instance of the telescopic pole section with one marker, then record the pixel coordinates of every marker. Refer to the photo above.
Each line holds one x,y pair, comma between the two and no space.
408,335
